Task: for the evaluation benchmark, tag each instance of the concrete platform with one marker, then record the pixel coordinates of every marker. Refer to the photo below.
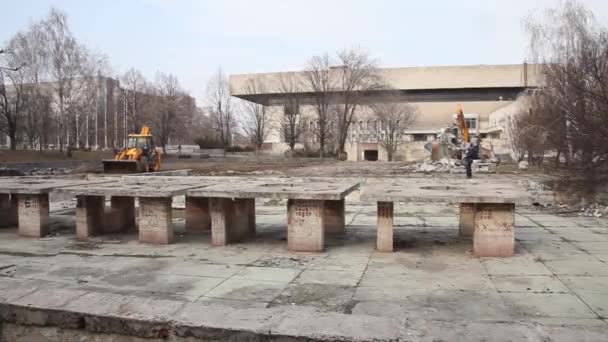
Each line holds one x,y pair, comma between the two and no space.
24,201
487,208
155,211
431,288
315,207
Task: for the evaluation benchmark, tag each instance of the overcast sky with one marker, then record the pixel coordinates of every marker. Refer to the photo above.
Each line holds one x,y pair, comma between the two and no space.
192,38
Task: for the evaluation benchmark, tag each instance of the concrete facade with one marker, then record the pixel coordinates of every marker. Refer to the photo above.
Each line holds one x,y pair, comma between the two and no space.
435,91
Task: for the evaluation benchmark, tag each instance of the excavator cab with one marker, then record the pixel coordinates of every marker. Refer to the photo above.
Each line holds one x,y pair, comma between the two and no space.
139,156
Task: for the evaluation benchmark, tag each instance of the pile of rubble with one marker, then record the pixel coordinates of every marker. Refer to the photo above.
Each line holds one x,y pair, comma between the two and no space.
44,171
447,165
593,210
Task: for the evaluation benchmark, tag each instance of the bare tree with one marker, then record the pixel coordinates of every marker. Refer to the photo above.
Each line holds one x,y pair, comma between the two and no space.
218,93
394,118
572,52
321,83
257,121
171,112
357,75
11,96
135,85
31,49
291,122
66,61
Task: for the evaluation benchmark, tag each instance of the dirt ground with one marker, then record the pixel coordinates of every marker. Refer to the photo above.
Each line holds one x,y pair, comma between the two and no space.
238,165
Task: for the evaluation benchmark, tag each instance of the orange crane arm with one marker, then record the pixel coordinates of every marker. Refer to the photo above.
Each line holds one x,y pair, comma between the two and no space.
463,124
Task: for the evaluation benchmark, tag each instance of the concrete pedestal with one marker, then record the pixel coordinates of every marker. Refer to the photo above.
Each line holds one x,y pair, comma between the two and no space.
305,225
467,219
232,220
155,220
334,217
198,218
89,216
8,210
122,214
494,230
33,214
384,239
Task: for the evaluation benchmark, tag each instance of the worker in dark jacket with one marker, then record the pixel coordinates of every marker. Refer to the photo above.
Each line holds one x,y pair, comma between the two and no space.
471,153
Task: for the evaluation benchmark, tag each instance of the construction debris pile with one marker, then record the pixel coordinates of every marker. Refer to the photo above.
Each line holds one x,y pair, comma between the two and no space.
35,171
447,165
593,210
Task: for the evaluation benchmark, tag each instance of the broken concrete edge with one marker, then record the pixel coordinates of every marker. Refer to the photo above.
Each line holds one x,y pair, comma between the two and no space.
171,173
161,318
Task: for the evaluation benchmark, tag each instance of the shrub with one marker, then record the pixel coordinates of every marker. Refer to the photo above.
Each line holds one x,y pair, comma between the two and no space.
208,143
238,148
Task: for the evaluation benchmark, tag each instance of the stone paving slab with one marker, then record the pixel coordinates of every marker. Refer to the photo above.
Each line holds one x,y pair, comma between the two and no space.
451,191
139,187
33,186
280,188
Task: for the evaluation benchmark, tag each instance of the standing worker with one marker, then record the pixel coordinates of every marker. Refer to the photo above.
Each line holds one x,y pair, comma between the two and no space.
471,153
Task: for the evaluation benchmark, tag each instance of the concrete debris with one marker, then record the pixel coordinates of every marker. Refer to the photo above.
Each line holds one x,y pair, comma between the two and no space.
45,171
523,165
592,210
447,165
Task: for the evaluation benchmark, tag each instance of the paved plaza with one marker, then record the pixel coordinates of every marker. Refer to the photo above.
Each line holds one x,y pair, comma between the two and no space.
553,287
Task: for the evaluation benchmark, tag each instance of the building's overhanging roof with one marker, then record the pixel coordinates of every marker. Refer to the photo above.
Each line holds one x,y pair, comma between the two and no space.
415,81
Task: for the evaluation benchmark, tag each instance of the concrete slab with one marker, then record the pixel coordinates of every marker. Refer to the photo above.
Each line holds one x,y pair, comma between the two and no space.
342,278
323,297
586,284
136,186
280,188
529,284
598,302
243,289
267,274
444,191
547,305
578,267
33,186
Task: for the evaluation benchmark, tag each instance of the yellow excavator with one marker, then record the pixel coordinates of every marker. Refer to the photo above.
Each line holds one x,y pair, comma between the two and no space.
139,156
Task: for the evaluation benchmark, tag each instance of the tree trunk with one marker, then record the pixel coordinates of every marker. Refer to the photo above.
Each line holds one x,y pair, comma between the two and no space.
13,139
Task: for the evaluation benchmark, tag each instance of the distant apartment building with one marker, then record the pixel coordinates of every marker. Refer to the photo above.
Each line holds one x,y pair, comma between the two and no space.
487,94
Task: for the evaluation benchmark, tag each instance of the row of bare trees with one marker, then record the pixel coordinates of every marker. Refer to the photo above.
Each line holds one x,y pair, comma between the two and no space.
335,90
568,114
53,89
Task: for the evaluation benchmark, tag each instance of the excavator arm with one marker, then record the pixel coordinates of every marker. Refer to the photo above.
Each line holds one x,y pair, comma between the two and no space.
463,125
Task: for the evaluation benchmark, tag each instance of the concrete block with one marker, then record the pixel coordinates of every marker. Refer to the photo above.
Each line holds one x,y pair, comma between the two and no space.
198,218
305,225
89,216
8,210
155,220
122,214
494,234
334,217
33,212
231,220
384,239
467,219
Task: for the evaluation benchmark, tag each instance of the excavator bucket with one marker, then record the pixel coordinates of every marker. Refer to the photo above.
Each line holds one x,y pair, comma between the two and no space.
121,166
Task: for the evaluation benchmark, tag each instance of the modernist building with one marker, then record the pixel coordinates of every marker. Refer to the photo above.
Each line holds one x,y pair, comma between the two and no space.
486,93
